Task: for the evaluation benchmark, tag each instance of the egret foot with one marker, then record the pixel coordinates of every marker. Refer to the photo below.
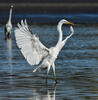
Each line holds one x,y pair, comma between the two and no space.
56,81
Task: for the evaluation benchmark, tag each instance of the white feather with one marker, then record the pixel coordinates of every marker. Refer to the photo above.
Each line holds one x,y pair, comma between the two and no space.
31,47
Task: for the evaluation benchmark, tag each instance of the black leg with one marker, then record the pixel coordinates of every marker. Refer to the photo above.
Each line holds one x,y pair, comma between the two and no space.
46,79
48,68
53,66
55,80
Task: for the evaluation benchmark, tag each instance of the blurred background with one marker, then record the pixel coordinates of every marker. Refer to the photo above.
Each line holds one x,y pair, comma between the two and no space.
50,11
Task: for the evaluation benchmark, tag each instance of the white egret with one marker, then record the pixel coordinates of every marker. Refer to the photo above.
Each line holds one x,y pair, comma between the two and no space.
34,51
8,26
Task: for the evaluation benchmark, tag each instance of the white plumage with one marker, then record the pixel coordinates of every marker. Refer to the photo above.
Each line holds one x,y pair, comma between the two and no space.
31,47
34,51
8,26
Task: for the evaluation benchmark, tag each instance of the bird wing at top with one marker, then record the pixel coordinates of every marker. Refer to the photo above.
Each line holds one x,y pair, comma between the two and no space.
31,47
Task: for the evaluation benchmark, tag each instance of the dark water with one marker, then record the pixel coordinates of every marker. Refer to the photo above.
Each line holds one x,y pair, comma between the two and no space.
76,67
84,18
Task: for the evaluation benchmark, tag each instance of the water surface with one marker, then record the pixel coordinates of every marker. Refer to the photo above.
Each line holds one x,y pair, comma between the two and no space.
40,18
76,67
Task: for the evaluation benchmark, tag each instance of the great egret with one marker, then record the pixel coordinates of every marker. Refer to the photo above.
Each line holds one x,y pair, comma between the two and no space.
8,26
34,51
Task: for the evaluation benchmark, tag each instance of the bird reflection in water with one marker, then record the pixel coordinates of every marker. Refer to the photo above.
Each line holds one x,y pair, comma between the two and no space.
47,94
9,49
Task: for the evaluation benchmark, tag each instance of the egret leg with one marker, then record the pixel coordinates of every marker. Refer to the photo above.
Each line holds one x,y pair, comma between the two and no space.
6,35
48,68
53,66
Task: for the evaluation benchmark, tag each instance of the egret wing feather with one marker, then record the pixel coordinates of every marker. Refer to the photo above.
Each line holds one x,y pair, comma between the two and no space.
31,47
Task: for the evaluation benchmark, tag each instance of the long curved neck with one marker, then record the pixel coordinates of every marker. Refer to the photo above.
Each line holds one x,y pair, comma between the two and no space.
59,28
71,33
10,15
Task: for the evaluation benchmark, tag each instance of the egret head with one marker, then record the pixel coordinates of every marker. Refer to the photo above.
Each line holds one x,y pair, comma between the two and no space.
63,21
11,6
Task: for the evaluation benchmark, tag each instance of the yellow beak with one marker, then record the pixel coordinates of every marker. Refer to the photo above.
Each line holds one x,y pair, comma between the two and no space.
70,23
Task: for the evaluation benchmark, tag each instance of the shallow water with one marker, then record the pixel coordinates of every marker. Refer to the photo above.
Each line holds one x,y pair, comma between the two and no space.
76,67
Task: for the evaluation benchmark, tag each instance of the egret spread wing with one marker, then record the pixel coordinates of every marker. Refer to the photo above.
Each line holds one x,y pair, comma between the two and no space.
31,47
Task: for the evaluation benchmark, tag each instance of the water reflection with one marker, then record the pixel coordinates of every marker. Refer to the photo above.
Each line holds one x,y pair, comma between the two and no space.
9,49
76,68
47,94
